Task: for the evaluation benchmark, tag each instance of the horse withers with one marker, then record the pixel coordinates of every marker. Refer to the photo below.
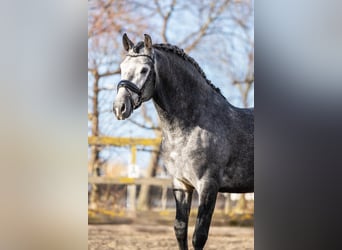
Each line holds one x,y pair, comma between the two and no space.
207,144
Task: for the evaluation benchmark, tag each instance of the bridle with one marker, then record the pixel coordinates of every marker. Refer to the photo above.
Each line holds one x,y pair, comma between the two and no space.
128,85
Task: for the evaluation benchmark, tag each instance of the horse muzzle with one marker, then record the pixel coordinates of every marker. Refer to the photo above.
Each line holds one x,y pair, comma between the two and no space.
122,108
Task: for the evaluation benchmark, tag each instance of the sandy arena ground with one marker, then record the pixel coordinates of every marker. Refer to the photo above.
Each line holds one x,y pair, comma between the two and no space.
161,237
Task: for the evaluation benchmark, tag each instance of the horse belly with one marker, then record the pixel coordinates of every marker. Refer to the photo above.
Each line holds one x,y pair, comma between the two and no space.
237,179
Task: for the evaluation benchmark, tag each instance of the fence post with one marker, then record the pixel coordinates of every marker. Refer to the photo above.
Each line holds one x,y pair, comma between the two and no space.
132,189
227,203
164,197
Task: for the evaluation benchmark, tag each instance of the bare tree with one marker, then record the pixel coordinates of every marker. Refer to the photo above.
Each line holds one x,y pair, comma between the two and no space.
106,20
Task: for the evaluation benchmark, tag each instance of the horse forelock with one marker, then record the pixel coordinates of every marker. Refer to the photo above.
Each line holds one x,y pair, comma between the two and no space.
138,47
137,51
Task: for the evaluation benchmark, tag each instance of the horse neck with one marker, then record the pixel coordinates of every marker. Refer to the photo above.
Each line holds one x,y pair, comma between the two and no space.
181,93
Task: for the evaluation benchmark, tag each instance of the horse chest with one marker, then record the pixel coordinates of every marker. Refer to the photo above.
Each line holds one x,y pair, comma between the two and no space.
185,155
173,152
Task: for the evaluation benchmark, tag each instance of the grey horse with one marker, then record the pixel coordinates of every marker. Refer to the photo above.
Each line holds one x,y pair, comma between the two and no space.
207,144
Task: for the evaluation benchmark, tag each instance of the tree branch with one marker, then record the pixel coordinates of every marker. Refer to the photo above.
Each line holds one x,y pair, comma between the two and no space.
203,30
148,150
143,126
110,73
165,17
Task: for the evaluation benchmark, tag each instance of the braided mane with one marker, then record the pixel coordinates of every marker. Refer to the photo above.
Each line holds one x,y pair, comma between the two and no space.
180,52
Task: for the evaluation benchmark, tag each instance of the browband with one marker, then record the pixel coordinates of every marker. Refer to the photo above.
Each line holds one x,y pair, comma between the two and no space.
137,55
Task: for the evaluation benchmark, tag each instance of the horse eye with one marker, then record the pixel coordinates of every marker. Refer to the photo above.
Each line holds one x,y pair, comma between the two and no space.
144,70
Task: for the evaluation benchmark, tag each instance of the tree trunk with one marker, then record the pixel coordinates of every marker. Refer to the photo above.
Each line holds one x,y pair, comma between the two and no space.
144,195
94,154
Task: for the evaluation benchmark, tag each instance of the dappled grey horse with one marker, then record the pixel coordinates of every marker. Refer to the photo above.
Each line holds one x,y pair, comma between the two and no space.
207,144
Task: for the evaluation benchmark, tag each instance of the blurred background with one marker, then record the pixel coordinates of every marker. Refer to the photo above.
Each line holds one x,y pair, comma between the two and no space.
44,104
127,177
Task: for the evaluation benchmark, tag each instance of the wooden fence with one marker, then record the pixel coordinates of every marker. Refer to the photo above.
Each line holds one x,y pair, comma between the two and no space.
165,183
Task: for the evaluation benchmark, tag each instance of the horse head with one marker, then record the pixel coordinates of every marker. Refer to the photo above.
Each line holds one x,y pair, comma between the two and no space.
137,77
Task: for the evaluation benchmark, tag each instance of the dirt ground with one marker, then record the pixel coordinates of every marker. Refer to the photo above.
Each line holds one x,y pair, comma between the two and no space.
161,237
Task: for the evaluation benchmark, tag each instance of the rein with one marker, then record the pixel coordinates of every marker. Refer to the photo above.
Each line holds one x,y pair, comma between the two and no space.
133,87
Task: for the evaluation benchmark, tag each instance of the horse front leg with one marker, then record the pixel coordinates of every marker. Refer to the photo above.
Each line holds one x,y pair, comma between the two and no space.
207,200
183,205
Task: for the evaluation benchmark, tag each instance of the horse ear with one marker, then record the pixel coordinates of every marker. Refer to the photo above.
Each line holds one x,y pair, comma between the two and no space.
128,44
148,42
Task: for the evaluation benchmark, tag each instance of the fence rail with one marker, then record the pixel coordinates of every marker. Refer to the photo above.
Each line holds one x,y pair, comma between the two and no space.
123,141
130,181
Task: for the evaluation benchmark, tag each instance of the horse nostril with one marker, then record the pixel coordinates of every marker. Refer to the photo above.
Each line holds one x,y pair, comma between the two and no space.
123,108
